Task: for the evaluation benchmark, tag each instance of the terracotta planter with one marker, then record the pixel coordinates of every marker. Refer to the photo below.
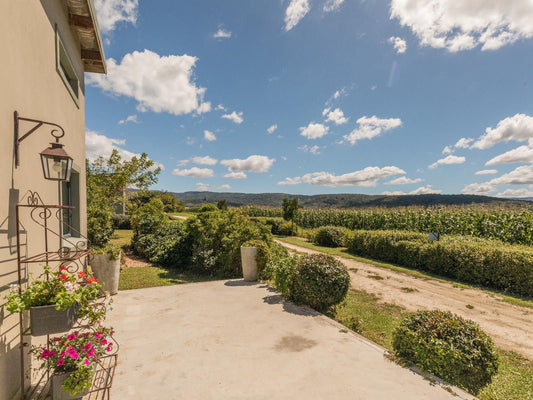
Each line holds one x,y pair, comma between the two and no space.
106,271
46,320
249,263
57,391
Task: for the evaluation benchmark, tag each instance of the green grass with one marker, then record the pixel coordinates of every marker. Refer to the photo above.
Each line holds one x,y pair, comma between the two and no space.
145,277
122,237
376,321
343,252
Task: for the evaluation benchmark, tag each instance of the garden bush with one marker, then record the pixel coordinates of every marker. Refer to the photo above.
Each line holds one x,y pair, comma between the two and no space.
275,225
288,229
208,208
266,252
478,261
330,236
165,246
446,345
121,221
319,281
148,218
280,270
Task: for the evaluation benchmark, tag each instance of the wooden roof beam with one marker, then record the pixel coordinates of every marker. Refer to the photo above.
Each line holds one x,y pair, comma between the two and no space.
92,55
81,21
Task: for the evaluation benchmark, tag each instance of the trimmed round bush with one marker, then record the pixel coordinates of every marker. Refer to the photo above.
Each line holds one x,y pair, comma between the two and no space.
448,346
330,236
319,281
208,208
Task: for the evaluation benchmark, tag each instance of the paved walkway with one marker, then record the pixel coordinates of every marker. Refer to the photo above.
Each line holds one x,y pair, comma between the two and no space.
237,340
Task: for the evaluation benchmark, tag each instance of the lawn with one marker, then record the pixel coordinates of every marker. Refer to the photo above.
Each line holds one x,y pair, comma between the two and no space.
153,276
122,237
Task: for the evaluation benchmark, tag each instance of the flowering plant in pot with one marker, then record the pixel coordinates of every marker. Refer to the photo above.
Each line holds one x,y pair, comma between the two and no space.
72,358
59,291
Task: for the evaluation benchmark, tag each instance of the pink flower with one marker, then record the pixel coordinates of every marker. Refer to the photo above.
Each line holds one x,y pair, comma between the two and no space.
72,336
108,348
87,362
104,341
62,354
44,354
98,335
74,355
60,362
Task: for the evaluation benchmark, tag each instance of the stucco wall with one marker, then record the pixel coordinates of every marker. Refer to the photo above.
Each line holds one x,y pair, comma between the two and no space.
30,84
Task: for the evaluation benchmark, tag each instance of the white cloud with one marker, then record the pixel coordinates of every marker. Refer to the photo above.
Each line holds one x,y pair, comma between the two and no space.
158,83
130,118
518,127
519,176
367,177
253,163
447,150
235,117
236,175
399,44
425,190
447,161
337,94
209,136
202,187
194,172
206,160
220,107
520,154
326,110
182,163
336,116
481,189
463,143
487,172
403,181
224,187
462,25
310,149
332,5
271,129
517,193
189,140
314,131
370,127
394,193
100,145
112,12
222,34
296,10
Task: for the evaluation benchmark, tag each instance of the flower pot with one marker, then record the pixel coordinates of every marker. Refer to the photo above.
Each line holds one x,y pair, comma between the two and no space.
46,320
249,263
57,391
106,271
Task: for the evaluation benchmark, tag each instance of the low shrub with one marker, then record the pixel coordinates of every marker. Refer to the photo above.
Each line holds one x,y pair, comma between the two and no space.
288,229
165,246
330,236
444,344
275,225
477,261
121,221
148,218
208,208
319,281
280,269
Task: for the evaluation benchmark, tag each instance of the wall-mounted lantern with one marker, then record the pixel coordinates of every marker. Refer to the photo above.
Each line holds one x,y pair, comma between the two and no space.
57,164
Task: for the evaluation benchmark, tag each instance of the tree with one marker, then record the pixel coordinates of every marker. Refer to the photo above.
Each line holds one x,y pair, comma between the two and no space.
290,210
107,180
222,205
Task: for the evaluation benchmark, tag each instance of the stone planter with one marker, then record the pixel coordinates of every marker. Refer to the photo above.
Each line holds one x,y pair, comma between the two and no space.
46,320
106,271
57,391
249,263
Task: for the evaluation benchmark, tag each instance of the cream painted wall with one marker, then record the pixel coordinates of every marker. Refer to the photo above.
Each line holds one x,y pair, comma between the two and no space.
30,84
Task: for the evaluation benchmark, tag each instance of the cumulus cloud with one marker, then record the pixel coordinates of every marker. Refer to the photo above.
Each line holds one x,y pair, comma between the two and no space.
393,193
398,43
487,172
463,143
332,5
366,177
518,193
224,187
130,118
158,83
236,175
519,176
206,160
447,150
310,149
520,154
314,131
235,117
518,128
253,163
428,189
112,12
403,181
272,128
481,189
370,127
209,136
202,187
194,172
182,163
296,10
447,161
336,116
458,25
222,34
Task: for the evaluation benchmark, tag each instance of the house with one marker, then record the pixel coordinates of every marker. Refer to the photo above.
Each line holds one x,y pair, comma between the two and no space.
47,47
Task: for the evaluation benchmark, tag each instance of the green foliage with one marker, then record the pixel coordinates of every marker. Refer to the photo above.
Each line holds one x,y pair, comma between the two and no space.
330,236
208,208
477,261
148,218
99,219
112,250
288,229
165,246
169,200
222,205
281,269
121,221
275,225
290,211
450,347
319,281
266,254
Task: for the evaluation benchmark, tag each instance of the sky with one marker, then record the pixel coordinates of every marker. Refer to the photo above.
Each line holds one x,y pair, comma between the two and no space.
319,96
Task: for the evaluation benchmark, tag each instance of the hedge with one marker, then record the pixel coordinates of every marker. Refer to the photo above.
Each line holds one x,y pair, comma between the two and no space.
483,262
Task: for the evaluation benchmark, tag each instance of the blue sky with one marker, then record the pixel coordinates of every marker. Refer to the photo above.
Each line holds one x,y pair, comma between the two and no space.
319,96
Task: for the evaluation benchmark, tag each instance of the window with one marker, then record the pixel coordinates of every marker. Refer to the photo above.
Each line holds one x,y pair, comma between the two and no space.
70,196
65,68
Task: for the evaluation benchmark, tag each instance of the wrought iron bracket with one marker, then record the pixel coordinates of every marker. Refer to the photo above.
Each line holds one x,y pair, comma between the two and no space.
57,133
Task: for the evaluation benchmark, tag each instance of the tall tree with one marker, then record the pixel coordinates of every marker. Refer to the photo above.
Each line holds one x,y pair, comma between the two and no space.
290,210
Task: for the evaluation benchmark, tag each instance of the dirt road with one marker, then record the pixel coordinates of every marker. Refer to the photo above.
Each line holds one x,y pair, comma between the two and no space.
510,326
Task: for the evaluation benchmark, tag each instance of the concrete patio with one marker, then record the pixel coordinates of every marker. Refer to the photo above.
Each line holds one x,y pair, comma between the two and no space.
238,340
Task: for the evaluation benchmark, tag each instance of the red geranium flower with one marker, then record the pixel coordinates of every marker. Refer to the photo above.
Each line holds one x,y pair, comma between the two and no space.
81,274
62,267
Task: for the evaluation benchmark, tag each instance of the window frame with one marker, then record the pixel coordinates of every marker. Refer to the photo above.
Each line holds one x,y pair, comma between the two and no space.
65,68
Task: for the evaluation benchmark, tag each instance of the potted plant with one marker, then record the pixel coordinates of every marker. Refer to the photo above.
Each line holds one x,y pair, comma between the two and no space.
72,359
56,300
105,265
